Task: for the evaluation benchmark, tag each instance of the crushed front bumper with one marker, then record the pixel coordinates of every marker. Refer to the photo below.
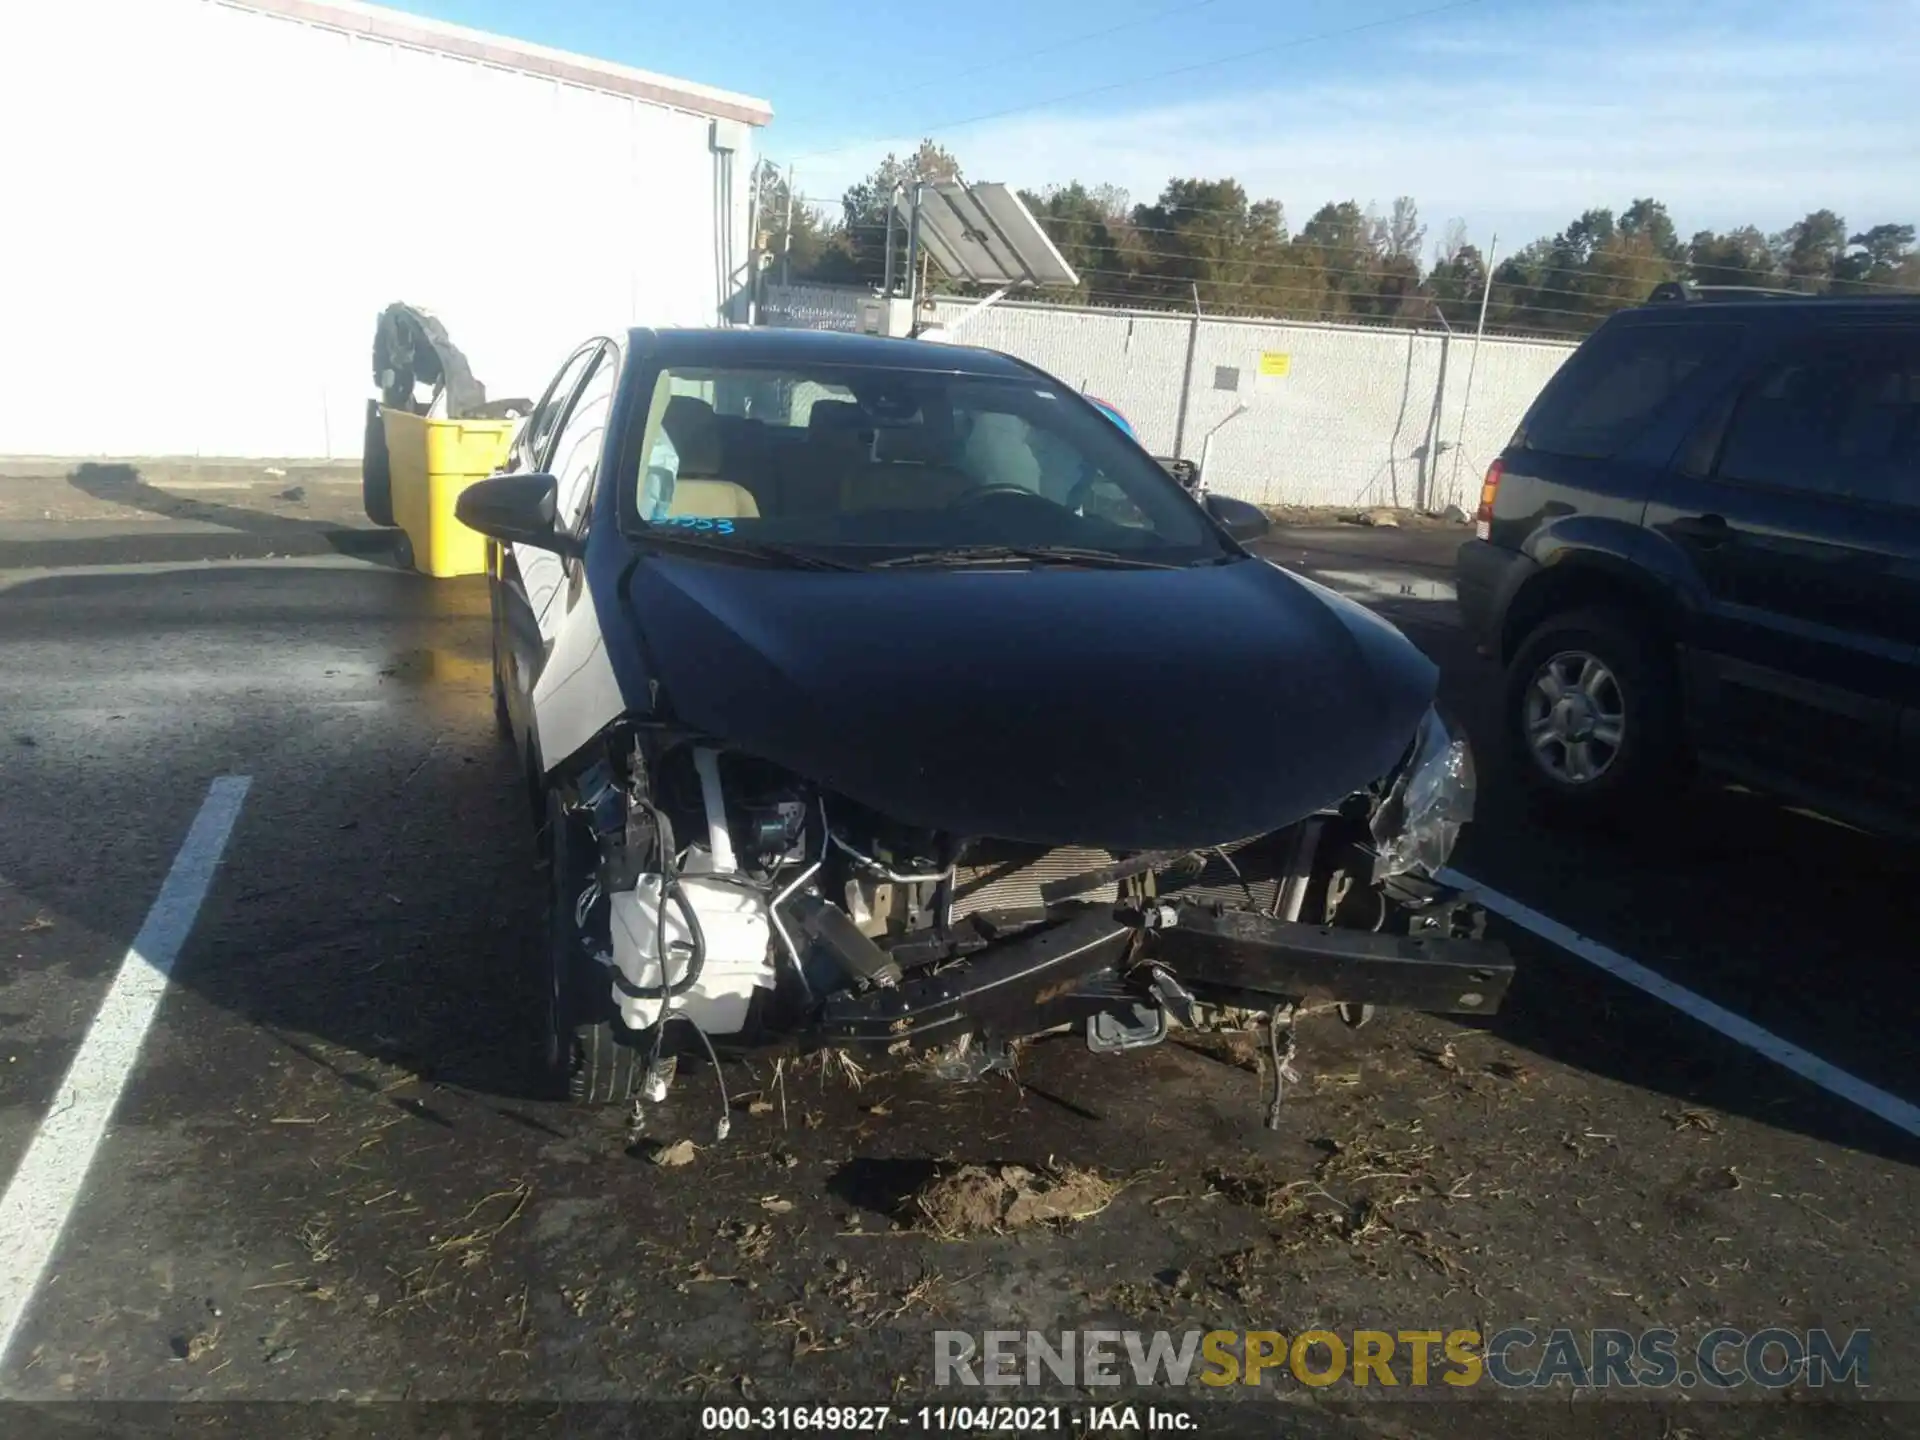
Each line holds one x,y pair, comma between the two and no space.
1102,961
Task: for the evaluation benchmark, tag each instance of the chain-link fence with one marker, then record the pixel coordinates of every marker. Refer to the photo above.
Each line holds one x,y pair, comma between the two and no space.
1282,412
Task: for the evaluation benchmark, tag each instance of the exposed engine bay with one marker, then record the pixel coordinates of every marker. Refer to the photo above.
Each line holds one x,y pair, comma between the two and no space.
756,909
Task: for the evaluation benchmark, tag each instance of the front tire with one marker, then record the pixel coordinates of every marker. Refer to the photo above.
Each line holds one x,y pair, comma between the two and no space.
584,1054
1592,714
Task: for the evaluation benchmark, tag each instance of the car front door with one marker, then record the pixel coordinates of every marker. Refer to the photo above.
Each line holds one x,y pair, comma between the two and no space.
576,693
1798,506
523,580
573,459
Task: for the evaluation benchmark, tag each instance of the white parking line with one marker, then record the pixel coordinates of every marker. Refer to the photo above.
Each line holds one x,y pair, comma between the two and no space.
26,575
1808,1066
41,1195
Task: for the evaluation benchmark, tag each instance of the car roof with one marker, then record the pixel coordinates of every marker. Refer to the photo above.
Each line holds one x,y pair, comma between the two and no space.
760,345
1759,304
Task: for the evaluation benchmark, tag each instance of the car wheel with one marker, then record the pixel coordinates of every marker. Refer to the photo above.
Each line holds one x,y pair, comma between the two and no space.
1592,713
585,1056
376,471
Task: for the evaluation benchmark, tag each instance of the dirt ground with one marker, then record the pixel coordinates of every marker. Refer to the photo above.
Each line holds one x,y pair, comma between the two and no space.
1377,517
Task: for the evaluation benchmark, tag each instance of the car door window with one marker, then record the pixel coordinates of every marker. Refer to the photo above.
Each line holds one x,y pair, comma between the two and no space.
582,433
542,424
1834,415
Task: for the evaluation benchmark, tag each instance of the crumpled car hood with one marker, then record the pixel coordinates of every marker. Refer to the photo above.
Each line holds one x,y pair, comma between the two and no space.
1125,709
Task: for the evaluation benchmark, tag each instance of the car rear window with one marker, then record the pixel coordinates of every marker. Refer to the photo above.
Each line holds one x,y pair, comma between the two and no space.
1617,383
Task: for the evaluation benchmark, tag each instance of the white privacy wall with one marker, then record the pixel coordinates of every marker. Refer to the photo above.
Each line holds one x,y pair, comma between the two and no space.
209,205
1348,424
1363,415
1351,423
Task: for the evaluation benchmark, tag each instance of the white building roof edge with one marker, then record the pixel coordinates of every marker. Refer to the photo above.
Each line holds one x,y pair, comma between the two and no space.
377,22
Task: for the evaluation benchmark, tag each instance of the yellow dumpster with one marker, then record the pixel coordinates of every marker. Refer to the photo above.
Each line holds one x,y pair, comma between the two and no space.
430,462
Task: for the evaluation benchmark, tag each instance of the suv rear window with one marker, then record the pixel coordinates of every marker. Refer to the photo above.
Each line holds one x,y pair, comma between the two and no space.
1617,383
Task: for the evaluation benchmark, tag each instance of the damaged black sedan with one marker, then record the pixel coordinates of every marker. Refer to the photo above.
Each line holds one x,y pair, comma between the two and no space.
880,694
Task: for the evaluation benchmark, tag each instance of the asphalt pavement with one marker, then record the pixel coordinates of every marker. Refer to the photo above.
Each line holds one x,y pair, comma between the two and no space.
326,1177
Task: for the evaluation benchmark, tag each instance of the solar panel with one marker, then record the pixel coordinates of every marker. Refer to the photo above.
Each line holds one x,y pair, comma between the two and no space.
985,234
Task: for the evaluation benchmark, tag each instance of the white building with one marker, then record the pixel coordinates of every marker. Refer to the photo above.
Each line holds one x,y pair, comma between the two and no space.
210,202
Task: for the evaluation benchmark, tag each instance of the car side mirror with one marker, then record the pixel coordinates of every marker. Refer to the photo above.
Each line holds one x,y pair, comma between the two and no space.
1241,520
516,510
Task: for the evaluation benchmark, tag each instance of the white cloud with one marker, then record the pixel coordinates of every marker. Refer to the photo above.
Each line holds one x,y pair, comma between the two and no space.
1734,115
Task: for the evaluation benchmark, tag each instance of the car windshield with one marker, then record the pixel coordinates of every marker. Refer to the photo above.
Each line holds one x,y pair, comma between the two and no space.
870,464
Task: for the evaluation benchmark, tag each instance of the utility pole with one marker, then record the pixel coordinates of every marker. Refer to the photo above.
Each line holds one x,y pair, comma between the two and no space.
786,245
913,249
753,242
893,204
1433,446
1186,379
1473,363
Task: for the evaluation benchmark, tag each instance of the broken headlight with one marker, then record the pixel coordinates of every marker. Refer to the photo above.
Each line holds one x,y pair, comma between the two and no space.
1417,823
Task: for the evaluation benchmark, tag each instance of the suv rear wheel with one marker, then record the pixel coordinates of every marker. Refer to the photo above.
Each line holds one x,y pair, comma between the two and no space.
1592,712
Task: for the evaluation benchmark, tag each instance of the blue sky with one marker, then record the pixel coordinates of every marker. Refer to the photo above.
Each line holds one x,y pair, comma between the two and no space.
1508,115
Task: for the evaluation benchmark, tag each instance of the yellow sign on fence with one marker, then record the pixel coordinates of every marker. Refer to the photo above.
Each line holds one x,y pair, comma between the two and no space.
1274,364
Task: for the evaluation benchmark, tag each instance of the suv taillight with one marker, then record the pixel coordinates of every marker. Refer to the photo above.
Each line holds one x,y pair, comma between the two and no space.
1489,488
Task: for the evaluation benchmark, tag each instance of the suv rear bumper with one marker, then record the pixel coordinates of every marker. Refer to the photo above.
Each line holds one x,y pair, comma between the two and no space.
1485,577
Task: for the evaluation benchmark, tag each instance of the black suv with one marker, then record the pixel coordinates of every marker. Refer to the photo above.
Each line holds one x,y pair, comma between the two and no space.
1703,544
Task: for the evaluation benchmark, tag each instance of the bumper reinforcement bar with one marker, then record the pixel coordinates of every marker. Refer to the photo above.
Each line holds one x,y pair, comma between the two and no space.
1244,958
1066,974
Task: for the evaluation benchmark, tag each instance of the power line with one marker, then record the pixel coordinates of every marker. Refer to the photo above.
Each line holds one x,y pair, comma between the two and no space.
1113,220
1280,262
1521,287
1123,299
1295,242
1519,294
1137,300
875,227
1123,226
1119,301
1232,262
1274,289
1294,43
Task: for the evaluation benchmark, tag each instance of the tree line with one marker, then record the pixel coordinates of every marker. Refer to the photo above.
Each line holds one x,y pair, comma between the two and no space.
1208,241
